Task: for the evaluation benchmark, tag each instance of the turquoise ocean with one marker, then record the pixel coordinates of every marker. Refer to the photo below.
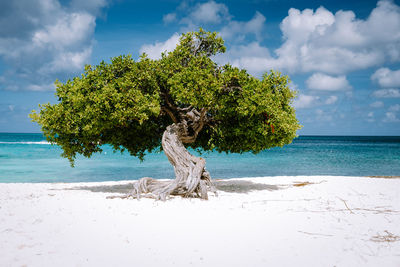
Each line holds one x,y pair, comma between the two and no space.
29,158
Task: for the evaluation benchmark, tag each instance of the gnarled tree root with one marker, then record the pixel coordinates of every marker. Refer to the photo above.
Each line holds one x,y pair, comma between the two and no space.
161,189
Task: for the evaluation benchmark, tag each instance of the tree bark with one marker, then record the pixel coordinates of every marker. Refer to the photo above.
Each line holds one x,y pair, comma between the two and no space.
191,177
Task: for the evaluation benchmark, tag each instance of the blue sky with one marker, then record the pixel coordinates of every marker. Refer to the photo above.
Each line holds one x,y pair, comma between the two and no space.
343,57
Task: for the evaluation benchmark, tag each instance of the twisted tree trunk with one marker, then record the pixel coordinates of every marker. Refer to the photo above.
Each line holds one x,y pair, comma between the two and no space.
191,177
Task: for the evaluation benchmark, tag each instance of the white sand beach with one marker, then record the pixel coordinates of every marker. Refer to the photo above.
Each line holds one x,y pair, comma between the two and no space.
269,221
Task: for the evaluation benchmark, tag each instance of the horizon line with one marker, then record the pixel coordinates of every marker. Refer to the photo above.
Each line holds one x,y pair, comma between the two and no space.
327,135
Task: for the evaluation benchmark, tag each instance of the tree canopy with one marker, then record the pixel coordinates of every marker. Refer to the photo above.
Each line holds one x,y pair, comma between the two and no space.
129,104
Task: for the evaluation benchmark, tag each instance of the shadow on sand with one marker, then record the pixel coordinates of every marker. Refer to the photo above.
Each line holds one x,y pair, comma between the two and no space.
234,186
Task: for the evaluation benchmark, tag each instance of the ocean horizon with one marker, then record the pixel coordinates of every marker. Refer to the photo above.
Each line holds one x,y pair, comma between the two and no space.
28,157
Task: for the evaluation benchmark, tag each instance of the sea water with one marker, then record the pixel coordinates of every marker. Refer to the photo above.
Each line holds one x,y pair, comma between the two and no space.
29,158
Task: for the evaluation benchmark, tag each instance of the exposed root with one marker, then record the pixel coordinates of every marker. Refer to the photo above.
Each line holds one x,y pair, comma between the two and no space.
160,190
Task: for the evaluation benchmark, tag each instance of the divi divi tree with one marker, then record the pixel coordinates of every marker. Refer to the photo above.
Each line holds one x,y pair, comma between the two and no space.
184,99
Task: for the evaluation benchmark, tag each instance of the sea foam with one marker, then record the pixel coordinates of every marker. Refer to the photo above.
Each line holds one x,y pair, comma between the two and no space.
27,143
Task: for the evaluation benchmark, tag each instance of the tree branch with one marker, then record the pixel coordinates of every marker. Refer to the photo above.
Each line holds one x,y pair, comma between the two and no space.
231,88
170,113
168,107
191,124
191,120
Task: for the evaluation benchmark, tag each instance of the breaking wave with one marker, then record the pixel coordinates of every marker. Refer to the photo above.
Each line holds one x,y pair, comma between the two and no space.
27,143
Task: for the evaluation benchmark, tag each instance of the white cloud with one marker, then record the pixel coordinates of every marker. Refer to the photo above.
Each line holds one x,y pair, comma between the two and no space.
301,25
202,13
377,104
340,43
246,56
331,100
313,40
237,30
64,40
387,93
386,77
250,55
323,82
210,12
41,87
69,30
305,101
248,51
193,17
67,61
334,43
168,18
394,108
52,41
391,117
154,50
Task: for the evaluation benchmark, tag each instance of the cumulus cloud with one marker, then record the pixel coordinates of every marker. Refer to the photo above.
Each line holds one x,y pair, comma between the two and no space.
313,40
309,101
323,82
209,12
387,93
52,41
377,104
386,77
338,43
237,30
334,43
154,50
305,101
68,31
246,56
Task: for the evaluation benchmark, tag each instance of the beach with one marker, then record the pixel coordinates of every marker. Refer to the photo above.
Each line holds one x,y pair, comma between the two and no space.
263,221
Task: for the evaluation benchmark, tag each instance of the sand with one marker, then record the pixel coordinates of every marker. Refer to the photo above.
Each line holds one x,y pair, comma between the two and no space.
269,221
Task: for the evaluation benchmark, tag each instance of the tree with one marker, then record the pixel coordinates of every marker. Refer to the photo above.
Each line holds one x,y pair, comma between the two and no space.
182,100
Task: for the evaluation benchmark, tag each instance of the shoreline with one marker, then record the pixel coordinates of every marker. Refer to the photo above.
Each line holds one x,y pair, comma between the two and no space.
214,179
258,221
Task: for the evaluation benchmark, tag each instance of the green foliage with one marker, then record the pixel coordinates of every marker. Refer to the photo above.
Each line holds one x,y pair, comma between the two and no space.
120,103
